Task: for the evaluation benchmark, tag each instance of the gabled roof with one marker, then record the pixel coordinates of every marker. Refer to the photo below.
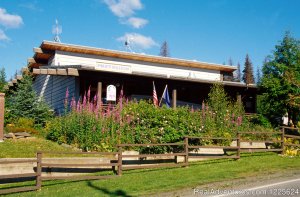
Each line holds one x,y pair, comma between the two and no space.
48,48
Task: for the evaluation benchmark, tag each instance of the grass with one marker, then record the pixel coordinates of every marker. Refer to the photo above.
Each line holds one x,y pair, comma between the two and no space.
142,182
24,148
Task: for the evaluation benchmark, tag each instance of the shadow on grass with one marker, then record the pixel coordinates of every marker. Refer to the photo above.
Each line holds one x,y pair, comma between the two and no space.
117,192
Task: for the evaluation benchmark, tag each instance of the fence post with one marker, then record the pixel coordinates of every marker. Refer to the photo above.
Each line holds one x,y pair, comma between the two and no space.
39,170
186,150
119,160
238,143
282,140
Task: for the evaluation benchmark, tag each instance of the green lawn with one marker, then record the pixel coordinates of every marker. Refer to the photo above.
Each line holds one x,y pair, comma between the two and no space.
137,183
24,148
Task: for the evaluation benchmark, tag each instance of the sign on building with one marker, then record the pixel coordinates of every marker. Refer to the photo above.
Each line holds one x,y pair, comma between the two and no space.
111,93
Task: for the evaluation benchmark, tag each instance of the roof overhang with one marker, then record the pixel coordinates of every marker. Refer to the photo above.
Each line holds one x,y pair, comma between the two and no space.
48,48
74,70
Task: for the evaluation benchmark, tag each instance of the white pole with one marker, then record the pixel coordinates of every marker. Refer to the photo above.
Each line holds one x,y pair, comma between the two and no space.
162,95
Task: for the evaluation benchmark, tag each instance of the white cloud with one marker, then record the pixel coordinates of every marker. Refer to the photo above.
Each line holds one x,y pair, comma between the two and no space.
31,6
10,20
138,40
124,8
3,36
136,22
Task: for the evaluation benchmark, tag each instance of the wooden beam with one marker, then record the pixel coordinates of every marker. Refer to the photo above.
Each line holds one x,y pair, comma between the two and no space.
61,71
239,98
174,98
31,61
51,71
36,71
73,72
37,50
43,71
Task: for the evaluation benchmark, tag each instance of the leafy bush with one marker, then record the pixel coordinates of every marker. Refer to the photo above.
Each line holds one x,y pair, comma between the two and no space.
259,119
90,127
22,125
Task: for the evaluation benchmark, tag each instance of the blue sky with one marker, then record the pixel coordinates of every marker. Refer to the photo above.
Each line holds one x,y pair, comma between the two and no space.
203,30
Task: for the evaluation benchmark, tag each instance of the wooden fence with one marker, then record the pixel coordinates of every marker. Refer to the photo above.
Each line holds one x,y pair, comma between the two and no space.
19,178
122,160
42,164
198,144
266,138
156,160
293,136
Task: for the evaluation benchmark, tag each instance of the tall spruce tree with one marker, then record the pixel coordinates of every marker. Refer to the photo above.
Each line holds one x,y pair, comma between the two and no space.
248,77
164,50
238,71
280,82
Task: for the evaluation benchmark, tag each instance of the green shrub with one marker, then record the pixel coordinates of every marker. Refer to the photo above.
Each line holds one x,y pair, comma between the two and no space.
89,127
22,125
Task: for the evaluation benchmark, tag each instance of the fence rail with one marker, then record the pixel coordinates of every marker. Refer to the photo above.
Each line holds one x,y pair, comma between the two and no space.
123,161
153,162
18,178
213,156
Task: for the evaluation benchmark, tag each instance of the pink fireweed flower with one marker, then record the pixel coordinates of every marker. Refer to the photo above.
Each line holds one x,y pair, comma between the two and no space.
78,106
89,94
66,96
239,121
84,101
95,99
90,108
73,104
207,107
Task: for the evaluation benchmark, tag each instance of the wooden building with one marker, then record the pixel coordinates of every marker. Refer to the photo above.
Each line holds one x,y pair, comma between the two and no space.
59,66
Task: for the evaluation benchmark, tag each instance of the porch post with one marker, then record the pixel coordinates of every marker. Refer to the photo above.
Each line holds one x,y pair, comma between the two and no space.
2,101
174,98
239,98
99,93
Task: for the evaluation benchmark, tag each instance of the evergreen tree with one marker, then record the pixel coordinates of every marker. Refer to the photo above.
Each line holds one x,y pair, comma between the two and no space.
258,75
23,102
2,79
164,50
248,77
230,62
238,71
280,83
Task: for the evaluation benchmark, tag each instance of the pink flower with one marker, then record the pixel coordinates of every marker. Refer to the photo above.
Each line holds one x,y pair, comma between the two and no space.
78,106
67,96
89,94
73,103
239,121
84,101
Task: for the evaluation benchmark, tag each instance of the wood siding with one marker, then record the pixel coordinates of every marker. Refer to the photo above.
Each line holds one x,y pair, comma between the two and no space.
62,58
53,90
